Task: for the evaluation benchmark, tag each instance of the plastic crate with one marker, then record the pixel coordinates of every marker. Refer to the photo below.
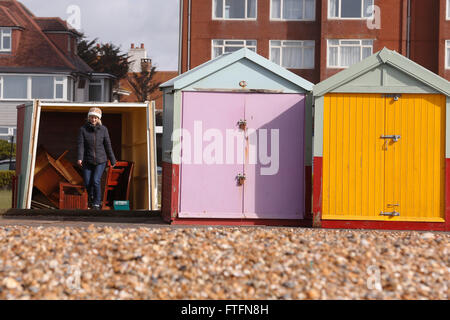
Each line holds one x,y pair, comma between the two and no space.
121,205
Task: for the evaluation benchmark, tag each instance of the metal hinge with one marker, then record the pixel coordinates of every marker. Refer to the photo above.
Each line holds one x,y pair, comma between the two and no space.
396,96
391,214
389,205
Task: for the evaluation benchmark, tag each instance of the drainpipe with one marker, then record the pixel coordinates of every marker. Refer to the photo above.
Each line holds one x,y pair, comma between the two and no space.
180,38
189,38
408,31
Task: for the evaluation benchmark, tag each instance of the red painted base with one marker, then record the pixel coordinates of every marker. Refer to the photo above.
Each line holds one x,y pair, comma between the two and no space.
317,192
169,191
447,194
308,192
243,222
382,225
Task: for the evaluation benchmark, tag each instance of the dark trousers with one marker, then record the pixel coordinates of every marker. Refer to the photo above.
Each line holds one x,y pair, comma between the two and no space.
92,175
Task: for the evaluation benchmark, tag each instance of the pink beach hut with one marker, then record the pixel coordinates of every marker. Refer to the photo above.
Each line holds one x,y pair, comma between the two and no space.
237,144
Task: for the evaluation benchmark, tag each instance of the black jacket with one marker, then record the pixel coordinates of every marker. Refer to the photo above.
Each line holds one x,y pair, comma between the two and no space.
94,145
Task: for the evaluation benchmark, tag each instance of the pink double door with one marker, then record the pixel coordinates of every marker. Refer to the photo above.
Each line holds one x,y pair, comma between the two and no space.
252,135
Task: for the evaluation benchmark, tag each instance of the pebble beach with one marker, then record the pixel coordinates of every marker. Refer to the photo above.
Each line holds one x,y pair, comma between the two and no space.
222,263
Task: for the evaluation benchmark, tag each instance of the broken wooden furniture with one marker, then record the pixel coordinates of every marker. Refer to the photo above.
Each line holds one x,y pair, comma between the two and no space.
68,170
117,184
50,173
70,198
47,177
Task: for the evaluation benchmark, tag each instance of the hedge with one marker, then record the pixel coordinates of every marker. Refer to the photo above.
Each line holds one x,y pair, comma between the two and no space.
6,178
5,150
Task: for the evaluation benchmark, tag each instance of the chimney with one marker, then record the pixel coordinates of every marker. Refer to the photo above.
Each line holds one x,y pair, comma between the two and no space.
137,52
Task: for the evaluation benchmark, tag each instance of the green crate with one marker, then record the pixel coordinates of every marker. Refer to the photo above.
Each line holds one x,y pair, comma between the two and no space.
121,205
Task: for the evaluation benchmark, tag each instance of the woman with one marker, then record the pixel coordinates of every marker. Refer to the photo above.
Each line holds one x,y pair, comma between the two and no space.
94,150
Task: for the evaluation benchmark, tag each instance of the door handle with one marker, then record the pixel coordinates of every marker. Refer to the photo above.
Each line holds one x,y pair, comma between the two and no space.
394,138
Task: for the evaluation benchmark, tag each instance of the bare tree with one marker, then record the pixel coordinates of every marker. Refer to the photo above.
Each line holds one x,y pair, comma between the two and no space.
142,82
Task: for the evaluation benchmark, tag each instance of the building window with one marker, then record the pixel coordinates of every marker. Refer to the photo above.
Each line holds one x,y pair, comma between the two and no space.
5,35
6,131
14,87
292,54
350,9
42,88
293,9
448,10
18,87
220,47
59,87
47,87
96,90
234,9
344,53
447,54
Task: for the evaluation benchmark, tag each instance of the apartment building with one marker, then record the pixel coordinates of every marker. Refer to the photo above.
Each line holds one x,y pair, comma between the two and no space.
316,38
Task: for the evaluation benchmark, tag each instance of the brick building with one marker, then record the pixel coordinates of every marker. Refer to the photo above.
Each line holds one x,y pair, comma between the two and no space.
316,38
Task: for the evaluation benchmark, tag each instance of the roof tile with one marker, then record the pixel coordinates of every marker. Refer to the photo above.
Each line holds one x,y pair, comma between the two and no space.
36,51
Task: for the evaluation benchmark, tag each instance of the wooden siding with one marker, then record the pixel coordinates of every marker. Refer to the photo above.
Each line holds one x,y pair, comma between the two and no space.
8,113
364,175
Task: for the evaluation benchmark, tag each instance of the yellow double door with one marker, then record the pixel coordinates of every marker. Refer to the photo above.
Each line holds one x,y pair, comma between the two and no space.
384,157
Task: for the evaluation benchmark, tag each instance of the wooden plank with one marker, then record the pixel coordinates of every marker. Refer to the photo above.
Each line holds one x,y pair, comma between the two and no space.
153,191
384,225
239,90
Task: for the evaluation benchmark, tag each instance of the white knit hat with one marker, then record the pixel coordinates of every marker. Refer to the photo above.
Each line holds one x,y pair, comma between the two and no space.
95,112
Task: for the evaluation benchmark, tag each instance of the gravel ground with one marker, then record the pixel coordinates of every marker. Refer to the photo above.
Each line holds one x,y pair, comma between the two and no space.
221,263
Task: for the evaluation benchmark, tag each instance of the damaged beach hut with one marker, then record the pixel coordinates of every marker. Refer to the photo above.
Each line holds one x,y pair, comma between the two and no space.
46,172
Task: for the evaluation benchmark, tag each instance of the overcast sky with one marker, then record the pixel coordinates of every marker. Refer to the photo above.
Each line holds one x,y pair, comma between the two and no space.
122,22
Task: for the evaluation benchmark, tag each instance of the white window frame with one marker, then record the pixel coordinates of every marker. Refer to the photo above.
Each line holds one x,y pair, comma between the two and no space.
302,46
29,88
56,82
345,45
101,84
447,10
447,47
232,45
236,19
5,33
282,19
340,13
10,132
